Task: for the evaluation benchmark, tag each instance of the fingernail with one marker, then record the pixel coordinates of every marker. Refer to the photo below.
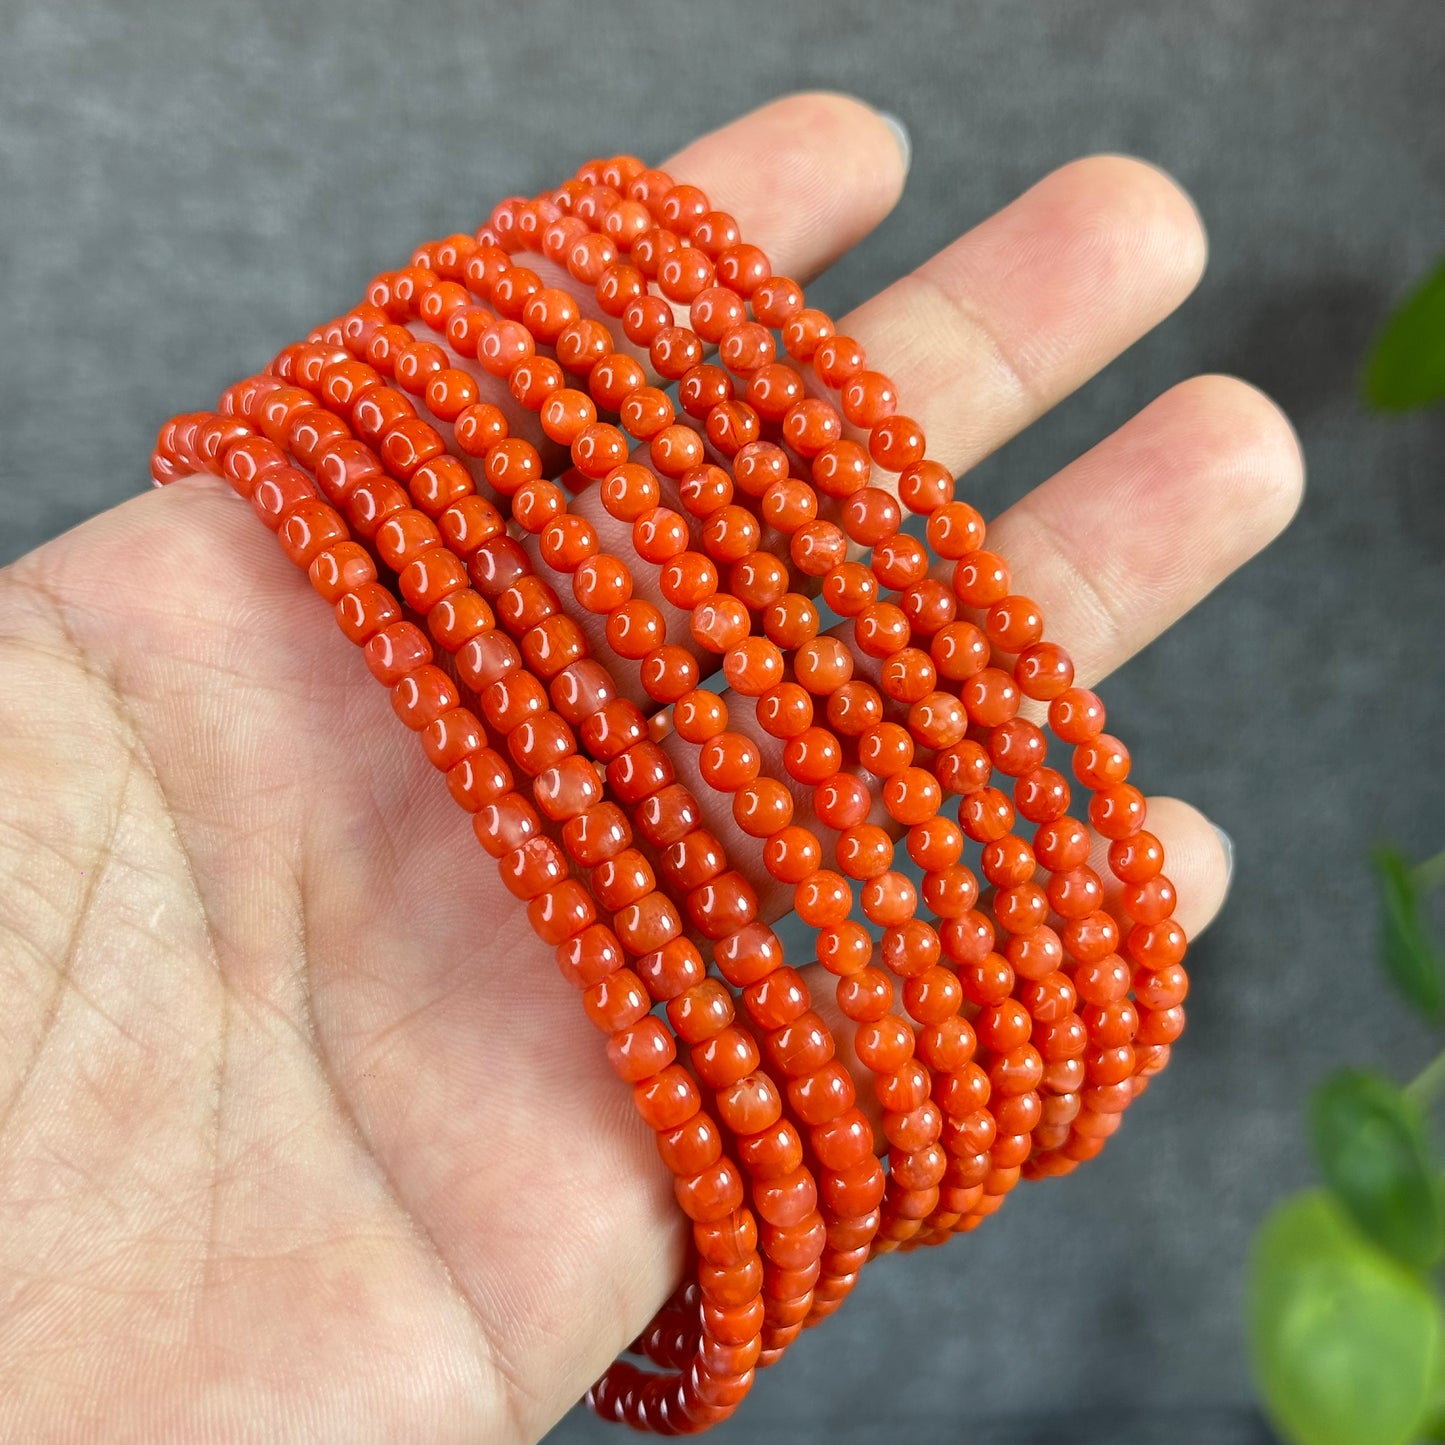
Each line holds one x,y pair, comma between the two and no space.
1227,843
900,134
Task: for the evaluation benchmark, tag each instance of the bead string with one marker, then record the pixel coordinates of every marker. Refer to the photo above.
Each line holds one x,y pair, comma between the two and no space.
1009,1062
769,1147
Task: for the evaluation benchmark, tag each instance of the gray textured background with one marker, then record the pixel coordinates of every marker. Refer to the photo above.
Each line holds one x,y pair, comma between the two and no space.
187,185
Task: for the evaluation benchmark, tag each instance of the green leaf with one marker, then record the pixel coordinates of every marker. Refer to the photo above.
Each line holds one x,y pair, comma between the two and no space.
1370,1140
1410,957
1406,368
1345,1342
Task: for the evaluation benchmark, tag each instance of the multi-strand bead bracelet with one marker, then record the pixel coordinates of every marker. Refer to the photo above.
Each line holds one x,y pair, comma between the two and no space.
1006,1006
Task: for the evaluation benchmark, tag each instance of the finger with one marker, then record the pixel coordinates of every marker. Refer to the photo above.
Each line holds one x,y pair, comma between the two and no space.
1125,540
1046,291
806,177
999,326
1122,542
1114,549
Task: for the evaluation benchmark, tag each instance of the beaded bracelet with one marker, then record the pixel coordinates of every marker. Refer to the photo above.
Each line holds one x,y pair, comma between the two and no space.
1033,1011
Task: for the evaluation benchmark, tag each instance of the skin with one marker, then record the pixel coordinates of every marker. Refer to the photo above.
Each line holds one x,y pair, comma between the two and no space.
302,1137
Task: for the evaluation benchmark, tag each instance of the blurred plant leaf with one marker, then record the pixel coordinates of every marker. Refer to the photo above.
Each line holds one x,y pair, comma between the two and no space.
1406,367
1369,1138
1345,1341
1411,958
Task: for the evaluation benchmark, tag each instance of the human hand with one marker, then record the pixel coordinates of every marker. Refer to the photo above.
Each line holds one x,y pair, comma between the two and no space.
301,1134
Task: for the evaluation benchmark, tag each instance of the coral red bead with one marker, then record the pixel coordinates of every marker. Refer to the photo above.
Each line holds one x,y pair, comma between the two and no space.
729,762
762,807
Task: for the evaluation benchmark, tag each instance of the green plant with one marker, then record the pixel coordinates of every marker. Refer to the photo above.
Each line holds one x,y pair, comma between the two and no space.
1347,1330
1406,367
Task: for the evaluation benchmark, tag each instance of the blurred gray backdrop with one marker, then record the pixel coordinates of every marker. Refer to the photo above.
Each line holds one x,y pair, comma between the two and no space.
187,184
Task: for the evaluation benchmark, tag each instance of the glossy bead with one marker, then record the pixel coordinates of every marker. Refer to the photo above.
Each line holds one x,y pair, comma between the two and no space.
688,579
725,1058
729,762
785,710
1117,811
885,749
758,579
890,898
539,742
841,801
562,912
674,351
597,833
659,535
693,860
668,1099
672,970
773,389
845,949
704,489
635,628
1137,858
566,414
719,623
668,673
823,899
666,815
601,584
1044,671
587,958
750,1105
912,796
823,665
1076,716
1007,862
762,807
864,851
614,1003
1101,762
854,707
423,695
792,854
820,549
812,756
753,666
339,569
909,676
730,534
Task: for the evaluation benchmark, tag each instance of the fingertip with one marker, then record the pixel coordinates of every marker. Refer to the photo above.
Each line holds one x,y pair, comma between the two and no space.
1143,213
1162,194
1199,860
880,141
1273,445
807,175
1251,431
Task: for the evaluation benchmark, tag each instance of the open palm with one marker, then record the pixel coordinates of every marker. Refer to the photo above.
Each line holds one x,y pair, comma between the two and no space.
302,1137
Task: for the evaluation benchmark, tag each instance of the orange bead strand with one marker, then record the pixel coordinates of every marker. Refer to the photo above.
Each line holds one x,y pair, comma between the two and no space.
890,772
